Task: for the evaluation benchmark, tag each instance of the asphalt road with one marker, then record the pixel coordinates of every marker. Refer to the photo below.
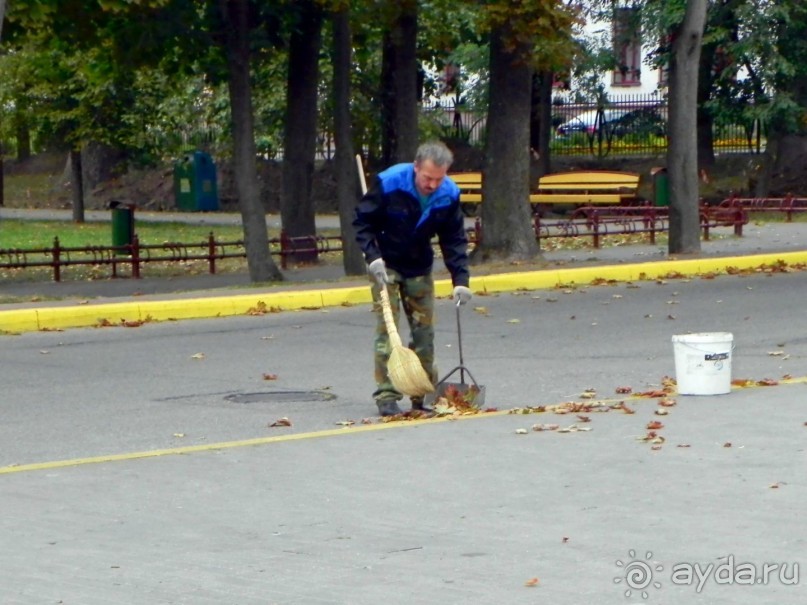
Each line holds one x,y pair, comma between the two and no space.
446,512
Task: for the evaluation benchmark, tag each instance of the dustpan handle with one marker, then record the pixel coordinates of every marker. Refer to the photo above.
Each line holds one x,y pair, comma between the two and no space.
459,342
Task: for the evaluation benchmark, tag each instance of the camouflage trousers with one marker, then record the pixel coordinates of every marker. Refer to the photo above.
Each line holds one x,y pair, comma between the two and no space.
416,295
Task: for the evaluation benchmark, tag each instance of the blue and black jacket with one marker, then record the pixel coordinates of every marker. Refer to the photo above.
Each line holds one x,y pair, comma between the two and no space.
390,224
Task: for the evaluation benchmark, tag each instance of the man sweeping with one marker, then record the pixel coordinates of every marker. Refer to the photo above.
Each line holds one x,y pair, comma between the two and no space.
405,207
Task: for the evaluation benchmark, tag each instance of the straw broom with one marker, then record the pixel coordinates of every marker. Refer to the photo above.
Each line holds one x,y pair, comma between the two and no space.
404,368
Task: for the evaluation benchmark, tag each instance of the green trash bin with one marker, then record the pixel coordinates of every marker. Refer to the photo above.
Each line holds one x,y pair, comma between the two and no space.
122,225
195,187
661,187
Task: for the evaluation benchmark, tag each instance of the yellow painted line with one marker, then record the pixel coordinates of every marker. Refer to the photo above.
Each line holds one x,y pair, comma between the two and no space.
190,449
349,430
60,317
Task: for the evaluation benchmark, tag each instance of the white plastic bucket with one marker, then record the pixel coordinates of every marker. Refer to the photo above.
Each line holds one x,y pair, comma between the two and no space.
703,363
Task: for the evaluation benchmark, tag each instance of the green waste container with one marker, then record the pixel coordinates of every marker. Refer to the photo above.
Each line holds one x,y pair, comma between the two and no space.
195,186
122,225
661,187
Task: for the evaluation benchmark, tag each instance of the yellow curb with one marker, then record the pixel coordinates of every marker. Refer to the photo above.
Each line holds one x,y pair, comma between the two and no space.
55,318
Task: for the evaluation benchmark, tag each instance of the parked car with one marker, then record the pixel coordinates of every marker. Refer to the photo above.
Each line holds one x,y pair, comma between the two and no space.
590,121
644,121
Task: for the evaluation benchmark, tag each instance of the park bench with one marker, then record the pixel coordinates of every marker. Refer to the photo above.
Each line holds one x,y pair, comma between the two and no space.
575,188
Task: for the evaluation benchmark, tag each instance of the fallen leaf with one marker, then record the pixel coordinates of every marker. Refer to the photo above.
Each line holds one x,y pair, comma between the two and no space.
667,403
521,431
482,310
661,412
281,422
367,421
565,540
583,418
624,390
776,353
655,447
683,445
727,444
654,425
514,321
547,427
621,406
198,356
345,423
44,352
531,582
179,435
270,376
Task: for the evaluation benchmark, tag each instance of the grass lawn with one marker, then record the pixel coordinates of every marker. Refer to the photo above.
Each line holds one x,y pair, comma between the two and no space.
40,234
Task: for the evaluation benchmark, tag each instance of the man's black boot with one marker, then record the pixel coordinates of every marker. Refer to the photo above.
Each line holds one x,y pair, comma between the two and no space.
388,407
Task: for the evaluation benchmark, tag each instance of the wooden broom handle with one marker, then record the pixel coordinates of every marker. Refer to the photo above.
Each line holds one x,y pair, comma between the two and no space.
362,179
389,320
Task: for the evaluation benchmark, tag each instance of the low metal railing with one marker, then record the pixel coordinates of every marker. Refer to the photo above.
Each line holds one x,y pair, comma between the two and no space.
590,221
788,205
135,255
598,222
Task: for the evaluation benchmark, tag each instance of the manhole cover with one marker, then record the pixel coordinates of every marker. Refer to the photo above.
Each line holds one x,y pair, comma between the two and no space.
280,396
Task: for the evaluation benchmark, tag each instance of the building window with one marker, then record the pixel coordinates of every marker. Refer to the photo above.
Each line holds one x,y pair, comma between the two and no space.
627,47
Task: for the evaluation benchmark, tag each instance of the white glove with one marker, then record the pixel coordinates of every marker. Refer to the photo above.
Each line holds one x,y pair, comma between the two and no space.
461,294
378,270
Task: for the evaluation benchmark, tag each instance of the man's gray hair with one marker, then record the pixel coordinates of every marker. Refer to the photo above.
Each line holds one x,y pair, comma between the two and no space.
436,151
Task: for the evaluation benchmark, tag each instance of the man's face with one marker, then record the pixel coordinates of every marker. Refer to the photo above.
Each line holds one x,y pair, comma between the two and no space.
428,176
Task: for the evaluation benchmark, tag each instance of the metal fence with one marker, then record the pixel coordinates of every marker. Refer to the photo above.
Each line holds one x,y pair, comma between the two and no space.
624,125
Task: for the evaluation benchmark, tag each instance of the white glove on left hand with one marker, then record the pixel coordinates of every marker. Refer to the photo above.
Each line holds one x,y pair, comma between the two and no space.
461,294
378,270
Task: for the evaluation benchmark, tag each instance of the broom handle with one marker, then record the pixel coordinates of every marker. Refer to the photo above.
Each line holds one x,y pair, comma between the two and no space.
362,180
389,320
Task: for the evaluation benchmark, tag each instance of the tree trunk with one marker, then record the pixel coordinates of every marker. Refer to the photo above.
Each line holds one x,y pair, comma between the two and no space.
344,164
506,217
300,141
77,185
682,162
262,267
399,86
706,151
23,133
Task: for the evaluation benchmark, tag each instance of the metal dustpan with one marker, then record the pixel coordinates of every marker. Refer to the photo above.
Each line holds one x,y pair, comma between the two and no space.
458,393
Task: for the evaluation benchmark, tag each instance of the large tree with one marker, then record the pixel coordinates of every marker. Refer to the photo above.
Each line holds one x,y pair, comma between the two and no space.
516,27
235,19
682,151
302,126
399,82
345,168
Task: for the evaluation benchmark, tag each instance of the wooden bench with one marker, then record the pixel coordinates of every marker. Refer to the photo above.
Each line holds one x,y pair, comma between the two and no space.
587,188
577,188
